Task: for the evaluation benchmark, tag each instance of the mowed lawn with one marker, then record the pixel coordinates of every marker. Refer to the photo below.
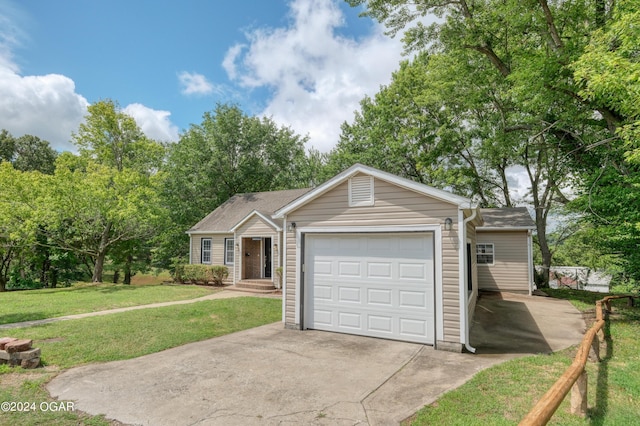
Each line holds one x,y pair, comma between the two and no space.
118,336
18,306
504,394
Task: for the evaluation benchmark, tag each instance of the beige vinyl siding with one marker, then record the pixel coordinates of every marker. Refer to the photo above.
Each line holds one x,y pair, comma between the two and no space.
510,270
393,206
217,250
256,227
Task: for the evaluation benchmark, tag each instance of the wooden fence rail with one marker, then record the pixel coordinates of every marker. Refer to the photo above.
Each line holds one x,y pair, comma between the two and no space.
575,377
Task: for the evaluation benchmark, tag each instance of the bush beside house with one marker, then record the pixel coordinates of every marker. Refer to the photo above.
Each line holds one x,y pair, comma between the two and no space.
201,274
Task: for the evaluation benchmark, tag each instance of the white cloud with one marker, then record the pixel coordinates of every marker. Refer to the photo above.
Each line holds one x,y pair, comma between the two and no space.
316,76
46,106
195,84
155,124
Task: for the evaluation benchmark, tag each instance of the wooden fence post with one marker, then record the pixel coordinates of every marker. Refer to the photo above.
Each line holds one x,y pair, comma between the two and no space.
579,395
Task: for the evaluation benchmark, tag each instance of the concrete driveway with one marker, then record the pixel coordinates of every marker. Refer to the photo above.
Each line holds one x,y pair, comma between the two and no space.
269,375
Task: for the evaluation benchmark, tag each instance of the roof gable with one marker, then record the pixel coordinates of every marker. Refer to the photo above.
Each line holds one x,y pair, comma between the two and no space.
378,174
275,224
238,208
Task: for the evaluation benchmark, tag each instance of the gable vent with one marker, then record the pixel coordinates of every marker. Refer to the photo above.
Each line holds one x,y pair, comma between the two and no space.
361,191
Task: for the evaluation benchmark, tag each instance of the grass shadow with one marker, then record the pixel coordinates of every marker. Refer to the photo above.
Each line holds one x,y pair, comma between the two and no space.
21,317
598,413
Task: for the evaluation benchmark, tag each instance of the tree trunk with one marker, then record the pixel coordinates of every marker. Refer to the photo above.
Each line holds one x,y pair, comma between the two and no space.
102,254
127,270
116,276
3,284
541,227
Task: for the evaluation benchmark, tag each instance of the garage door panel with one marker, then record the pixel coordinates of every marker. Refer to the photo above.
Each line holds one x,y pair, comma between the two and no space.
412,271
323,267
349,295
413,327
350,321
379,270
349,269
375,285
378,296
381,324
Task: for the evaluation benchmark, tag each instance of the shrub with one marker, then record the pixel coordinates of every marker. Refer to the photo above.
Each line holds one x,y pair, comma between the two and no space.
218,274
201,273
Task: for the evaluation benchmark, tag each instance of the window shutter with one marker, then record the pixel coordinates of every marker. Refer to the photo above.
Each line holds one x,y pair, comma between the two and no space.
361,191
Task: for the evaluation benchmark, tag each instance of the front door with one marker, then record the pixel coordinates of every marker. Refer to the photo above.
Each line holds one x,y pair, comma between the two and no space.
267,258
251,260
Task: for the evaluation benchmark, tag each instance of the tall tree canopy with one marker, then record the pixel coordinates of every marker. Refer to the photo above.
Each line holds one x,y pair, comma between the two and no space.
507,78
228,153
106,201
27,153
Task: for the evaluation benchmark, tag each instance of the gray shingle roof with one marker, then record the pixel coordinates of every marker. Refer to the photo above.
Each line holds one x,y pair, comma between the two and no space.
507,217
236,208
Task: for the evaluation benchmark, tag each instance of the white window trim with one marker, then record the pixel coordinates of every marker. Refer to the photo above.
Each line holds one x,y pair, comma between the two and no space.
493,255
226,251
202,240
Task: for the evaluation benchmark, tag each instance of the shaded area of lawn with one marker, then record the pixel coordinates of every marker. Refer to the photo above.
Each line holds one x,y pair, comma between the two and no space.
31,305
504,394
121,336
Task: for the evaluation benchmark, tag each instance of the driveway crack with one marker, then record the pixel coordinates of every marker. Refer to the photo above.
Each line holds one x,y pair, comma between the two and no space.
391,376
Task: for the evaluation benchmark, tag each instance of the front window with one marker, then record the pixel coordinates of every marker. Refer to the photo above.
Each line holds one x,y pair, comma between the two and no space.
228,251
205,256
485,254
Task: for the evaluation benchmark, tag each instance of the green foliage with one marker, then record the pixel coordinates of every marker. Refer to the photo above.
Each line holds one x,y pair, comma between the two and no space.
80,298
228,153
156,329
27,153
505,393
198,273
551,87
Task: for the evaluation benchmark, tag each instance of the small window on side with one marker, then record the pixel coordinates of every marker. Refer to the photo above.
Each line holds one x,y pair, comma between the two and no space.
485,254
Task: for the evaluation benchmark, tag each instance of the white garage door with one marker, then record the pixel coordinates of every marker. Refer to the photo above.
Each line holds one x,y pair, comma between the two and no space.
377,285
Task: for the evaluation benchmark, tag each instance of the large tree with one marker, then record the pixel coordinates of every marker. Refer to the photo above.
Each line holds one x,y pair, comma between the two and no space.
513,84
228,153
106,199
19,192
92,208
27,152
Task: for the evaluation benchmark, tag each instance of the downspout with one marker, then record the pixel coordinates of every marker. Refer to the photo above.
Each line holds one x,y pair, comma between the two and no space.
284,269
190,248
464,307
530,261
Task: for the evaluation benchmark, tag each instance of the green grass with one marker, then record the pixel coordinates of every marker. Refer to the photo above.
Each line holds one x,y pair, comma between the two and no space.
18,306
121,336
504,394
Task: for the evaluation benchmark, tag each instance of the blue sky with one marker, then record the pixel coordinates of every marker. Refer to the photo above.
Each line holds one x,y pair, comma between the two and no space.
305,63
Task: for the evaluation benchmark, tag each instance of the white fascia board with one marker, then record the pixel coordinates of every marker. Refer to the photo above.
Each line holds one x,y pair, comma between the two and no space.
379,174
262,216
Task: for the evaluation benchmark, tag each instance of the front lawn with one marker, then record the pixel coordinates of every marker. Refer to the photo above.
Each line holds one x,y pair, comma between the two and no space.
504,394
120,336
28,305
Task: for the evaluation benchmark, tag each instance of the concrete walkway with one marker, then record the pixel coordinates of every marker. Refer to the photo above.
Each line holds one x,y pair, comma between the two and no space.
272,376
218,295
